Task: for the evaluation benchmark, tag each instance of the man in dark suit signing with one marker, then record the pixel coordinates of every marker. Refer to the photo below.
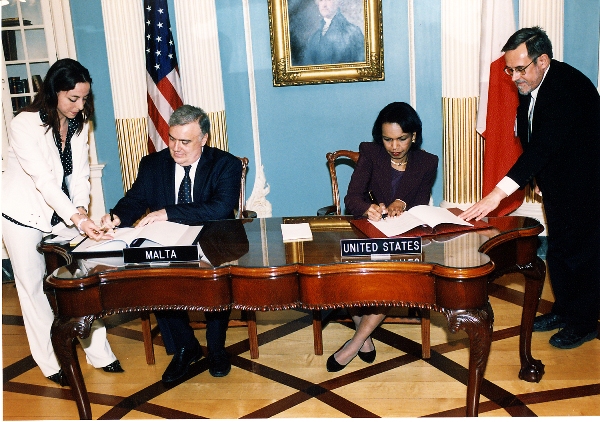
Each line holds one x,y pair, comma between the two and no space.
188,183
558,122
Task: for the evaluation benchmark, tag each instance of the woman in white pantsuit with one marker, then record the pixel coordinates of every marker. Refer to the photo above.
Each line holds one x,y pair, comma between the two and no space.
46,181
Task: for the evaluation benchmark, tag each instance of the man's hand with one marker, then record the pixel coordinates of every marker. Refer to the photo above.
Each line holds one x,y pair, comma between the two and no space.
486,205
153,217
109,222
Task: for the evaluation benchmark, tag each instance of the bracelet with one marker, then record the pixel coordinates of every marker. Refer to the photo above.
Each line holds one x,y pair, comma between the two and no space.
80,223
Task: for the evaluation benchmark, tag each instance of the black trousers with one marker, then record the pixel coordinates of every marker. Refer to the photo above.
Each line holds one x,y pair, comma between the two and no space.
573,259
177,333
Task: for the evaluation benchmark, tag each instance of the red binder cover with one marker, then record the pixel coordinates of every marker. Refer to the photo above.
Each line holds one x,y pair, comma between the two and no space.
371,231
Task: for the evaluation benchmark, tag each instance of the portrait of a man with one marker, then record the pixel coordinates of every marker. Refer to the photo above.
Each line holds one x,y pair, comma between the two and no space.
326,31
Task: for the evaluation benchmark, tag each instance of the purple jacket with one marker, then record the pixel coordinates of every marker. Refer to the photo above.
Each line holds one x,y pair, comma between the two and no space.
373,172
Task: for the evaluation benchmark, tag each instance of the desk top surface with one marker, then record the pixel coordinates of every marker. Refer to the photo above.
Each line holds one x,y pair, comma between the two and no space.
258,243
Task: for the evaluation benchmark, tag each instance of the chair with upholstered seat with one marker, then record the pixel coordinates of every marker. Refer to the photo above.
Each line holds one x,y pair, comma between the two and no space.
414,315
247,318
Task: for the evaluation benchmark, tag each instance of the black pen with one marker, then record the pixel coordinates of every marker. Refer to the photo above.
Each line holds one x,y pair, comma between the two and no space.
374,201
112,217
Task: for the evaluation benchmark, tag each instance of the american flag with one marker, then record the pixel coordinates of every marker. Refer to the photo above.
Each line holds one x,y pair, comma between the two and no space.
162,73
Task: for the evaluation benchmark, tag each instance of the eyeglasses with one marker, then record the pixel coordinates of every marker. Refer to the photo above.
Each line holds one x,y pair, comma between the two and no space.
519,69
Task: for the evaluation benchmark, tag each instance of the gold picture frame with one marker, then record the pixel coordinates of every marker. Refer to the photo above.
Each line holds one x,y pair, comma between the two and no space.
302,52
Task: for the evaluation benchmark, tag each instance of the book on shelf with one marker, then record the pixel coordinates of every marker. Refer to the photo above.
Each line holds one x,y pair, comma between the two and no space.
422,220
162,233
37,82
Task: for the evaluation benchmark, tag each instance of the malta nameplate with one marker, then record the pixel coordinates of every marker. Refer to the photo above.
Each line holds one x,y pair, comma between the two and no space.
161,254
386,246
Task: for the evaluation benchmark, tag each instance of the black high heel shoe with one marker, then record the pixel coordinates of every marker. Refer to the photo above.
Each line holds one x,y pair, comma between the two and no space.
333,365
113,367
368,357
60,378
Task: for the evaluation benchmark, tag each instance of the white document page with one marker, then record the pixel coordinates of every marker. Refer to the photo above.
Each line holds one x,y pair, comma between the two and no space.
296,232
164,233
415,217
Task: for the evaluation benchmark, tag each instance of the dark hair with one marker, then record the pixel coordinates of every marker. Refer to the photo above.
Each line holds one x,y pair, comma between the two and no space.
63,75
188,114
536,40
402,114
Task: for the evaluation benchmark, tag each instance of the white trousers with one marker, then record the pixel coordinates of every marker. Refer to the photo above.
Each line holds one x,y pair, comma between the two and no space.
29,269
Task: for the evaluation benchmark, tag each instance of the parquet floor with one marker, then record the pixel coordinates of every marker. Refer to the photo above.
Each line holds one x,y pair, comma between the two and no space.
289,381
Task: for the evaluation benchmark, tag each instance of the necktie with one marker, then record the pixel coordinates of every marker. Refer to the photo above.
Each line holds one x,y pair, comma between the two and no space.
185,189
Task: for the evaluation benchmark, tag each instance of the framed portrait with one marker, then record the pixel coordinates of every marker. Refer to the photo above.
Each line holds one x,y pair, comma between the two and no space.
326,41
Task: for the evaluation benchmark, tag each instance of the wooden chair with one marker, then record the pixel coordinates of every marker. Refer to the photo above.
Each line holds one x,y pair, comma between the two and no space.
414,316
247,319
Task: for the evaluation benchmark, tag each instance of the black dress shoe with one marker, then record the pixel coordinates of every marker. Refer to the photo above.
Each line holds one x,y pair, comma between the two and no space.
182,359
218,364
113,367
548,322
368,357
333,365
569,338
60,378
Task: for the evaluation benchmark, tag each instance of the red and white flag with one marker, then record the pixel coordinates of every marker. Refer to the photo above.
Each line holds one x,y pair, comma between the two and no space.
498,101
162,73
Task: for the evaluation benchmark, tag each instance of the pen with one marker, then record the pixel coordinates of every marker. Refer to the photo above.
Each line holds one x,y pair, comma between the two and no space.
374,201
111,214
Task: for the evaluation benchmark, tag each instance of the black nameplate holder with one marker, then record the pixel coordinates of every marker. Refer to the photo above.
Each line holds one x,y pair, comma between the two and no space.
142,255
381,248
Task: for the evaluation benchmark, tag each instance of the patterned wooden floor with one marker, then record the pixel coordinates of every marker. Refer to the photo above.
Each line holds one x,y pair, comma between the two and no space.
289,381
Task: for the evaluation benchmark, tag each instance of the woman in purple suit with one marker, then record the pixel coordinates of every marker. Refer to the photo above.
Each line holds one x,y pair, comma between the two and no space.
392,174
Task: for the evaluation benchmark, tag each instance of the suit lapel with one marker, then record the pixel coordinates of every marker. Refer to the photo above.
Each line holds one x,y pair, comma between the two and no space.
385,171
408,180
202,172
169,171
522,118
55,156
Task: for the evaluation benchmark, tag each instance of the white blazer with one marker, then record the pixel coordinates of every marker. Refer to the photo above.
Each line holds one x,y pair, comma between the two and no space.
32,180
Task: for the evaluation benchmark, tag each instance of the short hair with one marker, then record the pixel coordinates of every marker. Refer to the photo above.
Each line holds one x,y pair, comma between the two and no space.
402,114
188,114
536,40
63,75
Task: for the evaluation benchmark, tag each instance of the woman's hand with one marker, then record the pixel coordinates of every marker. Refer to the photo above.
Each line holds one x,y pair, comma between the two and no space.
396,208
376,212
89,228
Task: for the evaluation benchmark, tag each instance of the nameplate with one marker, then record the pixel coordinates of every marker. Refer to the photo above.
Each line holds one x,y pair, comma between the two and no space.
385,246
161,254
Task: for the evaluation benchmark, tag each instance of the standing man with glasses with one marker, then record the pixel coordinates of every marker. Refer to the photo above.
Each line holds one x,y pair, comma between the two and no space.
558,123
188,183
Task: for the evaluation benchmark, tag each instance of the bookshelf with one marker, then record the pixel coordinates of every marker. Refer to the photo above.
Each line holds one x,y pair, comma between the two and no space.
27,47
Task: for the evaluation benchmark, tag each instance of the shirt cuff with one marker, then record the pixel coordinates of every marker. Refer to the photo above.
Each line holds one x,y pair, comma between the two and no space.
507,185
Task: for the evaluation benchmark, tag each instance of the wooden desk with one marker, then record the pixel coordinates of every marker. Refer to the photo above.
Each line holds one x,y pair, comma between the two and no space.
255,270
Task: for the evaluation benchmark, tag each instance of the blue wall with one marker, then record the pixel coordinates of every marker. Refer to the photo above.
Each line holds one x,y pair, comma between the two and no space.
90,44
299,124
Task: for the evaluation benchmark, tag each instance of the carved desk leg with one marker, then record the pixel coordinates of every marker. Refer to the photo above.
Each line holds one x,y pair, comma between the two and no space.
479,325
532,369
63,333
